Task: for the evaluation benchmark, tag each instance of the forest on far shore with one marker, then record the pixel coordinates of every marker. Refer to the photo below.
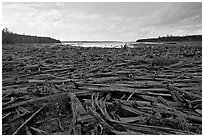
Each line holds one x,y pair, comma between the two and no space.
9,37
172,38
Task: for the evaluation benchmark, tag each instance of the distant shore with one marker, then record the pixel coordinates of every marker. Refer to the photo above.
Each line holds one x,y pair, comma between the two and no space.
172,38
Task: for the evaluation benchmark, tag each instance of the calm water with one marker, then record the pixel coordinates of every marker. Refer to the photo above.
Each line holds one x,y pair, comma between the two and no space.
106,44
96,44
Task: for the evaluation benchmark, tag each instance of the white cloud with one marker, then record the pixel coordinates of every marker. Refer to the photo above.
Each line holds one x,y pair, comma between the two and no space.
77,21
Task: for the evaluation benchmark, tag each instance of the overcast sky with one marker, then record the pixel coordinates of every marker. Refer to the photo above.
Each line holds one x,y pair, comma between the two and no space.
103,21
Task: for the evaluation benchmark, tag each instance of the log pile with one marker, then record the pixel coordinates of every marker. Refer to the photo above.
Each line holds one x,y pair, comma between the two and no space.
64,90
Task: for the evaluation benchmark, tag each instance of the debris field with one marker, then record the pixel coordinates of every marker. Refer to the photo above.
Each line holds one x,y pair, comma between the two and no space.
64,90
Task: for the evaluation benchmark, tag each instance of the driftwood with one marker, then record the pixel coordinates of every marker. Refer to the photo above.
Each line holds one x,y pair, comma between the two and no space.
77,110
6,115
39,132
18,117
28,120
102,91
47,99
9,102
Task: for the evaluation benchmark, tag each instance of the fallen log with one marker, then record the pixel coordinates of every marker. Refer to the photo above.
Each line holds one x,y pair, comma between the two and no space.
192,95
33,81
155,129
6,115
28,120
47,71
39,131
46,99
108,79
77,110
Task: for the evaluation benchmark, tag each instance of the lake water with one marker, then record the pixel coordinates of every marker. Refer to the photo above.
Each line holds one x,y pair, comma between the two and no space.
96,44
107,44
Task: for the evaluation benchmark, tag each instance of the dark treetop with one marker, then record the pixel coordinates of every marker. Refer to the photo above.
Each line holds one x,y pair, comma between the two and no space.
172,38
9,37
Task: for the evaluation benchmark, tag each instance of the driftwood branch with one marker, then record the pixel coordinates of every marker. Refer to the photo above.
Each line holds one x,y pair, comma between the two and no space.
28,120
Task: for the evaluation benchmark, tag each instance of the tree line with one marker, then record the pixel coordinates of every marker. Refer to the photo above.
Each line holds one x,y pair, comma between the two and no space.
9,37
172,38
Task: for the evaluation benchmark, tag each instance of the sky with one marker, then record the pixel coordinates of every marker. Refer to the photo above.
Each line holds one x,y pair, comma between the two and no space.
103,20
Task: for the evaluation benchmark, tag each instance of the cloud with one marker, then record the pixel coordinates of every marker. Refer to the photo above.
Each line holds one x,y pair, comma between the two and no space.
175,13
109,21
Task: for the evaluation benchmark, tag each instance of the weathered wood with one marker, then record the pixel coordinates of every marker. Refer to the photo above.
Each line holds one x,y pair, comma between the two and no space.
46,99
77,110
6,115
28,120
91,90
7,103
49,81
182,91
39,131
